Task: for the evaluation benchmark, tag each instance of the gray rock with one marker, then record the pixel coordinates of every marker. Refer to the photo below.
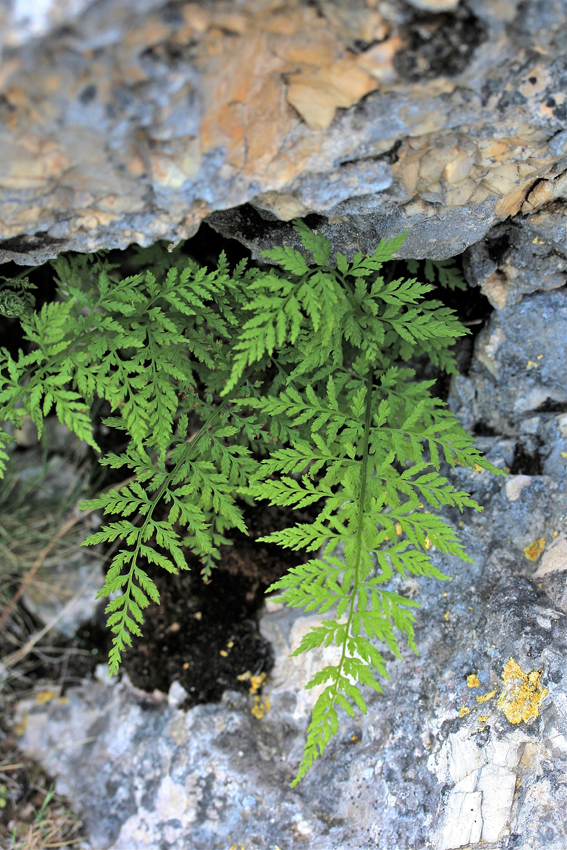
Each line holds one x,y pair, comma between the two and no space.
67,589
518,370
428,767
130,122
531,258
135,123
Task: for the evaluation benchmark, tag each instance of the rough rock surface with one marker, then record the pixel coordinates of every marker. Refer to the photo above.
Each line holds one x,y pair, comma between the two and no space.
65,592
523,348
129,122
467,747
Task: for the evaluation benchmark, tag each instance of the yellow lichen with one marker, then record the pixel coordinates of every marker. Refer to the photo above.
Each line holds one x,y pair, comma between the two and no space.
19,728
464,710
534,550
486,697
256,682
260,707
473,681
45,696
522,695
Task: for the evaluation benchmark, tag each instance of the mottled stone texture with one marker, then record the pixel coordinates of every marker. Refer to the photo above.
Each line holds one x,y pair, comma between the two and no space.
448,756
126,121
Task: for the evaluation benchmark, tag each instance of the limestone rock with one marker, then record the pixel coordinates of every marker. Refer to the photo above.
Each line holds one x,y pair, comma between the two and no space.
468,743
519,257
517,382
124,122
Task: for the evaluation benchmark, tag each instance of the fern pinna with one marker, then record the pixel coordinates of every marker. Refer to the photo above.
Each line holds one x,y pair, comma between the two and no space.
303,359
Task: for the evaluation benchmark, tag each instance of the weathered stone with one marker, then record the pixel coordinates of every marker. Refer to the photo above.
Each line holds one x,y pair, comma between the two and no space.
64,592
127,123
519,257
519,367
468,743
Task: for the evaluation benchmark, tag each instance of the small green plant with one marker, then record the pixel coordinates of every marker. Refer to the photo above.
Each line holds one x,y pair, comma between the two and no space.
16,299
303,362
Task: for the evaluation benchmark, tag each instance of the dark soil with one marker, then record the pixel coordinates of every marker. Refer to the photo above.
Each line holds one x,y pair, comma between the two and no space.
205,635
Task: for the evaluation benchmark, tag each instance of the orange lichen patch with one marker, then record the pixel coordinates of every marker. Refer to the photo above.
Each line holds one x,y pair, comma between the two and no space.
522,695
512,202
473,681
246,68
37,162
270,111
379,60
316,94
494,288
534,550
544,191
464,710
486,697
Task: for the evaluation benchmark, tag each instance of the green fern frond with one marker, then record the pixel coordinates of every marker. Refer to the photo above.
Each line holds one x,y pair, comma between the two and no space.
302,363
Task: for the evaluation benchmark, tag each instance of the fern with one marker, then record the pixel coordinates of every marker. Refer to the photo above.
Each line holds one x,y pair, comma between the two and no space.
201,367
444,271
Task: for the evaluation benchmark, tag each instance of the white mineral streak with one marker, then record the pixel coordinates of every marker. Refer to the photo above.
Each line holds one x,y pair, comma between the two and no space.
479,805
300,669
515,484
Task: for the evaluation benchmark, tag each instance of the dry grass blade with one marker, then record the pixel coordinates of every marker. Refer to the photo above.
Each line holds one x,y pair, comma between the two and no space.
39,561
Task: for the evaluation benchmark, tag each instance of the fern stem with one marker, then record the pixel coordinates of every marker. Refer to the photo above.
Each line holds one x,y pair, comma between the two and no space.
363,479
